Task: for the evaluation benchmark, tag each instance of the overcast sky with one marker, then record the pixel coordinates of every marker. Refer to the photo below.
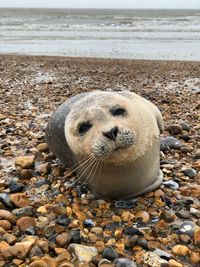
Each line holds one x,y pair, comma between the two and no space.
103,3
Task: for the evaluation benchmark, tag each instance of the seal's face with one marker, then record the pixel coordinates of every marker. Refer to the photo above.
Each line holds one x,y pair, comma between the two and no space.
102,125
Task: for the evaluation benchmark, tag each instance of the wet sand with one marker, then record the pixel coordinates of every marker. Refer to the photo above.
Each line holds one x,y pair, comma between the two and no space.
31,88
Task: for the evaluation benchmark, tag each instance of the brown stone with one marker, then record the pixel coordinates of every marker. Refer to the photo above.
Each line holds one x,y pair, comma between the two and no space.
26,173
26,162
5,224
143,215
20,200
4,245
180,250
44,245
17,262
63,239
100,246
173,263
49,261
197,236
127,216
38,263
43,147
25,222
195,258
174,129
7,215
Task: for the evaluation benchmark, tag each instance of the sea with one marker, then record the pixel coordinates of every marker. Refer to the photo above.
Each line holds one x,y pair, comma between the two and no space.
102,33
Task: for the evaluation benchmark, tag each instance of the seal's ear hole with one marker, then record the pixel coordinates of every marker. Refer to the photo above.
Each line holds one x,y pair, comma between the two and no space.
84,127
118,111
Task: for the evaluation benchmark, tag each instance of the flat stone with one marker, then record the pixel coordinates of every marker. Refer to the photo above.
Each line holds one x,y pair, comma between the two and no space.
26,162
183,214
82,253
186,127
20,200
10,238
163,254
171,184
7,215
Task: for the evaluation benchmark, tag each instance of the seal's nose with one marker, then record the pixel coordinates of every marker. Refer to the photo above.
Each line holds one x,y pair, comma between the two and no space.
112,134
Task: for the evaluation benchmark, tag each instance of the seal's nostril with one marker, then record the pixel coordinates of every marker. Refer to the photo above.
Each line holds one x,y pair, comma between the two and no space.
112,134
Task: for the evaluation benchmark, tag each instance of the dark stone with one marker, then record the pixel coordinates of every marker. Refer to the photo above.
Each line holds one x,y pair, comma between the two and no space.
81,190
183,214
167,143
36,252
5,200
143,243
131,241
185,137
30,230
164,255
110,254
26,211
123,262
63,220
75,236
41,182
15,187
49,230
171,184
113,226
88,223
131,231
186,228
126,204
191,173
186,127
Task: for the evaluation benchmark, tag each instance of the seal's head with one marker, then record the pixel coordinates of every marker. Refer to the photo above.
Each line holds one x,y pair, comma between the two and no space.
103,124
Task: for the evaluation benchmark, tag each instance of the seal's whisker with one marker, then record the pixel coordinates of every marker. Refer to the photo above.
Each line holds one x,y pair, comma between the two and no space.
88,166
81,161
95,167
82,164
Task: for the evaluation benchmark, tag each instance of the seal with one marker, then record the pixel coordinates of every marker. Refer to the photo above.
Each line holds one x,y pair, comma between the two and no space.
111,142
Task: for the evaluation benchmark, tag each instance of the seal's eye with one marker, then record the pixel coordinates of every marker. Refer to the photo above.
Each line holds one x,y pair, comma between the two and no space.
117,111
84,127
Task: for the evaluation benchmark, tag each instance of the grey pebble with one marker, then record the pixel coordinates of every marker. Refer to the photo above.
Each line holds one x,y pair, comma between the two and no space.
171,184
191,173
6,201
123,262
167,143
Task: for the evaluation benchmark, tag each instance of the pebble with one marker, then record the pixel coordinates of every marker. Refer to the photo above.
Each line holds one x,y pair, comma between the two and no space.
6,201
163,254
75,236
197,236
26,211
127,216
110,254
63,220
7,215
125,204
26,173
190,172
186,127
25,222
132,231
36,252
183,214
41,182
180,250
195,258
26,162
100,246
88,223
195,212
15,187
44,168
171,184
20,200
63,239
123,262
143,216
187,228
82,253
167,143
174,263
42,147
5,224
174,129
10,238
